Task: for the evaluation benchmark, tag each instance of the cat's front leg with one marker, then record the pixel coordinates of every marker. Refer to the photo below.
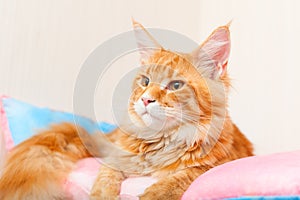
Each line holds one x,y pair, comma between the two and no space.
173,186
107,185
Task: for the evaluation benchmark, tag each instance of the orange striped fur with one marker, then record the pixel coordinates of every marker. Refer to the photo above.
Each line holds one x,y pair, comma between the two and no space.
195,132
37,167
178,127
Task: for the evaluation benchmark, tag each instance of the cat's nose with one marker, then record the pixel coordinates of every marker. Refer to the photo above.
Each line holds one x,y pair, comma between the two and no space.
146,101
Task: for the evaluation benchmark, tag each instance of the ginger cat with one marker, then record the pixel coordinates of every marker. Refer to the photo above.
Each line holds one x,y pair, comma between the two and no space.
178,128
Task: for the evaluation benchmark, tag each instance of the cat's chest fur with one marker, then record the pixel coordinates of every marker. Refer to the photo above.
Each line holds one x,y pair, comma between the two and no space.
164,152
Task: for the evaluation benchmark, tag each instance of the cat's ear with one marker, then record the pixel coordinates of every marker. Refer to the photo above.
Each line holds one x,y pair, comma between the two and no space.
147,45
212,56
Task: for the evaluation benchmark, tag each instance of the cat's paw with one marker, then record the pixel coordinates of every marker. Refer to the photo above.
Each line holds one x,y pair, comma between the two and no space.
159,192
105,190
107,185
102,192
151,195
103,196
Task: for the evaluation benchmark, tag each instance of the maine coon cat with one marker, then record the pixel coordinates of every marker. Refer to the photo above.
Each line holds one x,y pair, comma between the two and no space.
178,128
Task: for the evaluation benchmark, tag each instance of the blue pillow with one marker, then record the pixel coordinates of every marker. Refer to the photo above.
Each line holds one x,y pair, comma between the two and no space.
24,120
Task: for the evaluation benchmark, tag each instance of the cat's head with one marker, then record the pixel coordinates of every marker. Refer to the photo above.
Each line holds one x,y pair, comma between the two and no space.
173,89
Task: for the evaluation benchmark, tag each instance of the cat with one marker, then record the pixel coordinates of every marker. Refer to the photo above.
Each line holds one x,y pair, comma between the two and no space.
178,127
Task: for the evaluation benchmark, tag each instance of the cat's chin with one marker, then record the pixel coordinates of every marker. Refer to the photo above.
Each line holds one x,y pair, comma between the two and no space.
156,123
152,122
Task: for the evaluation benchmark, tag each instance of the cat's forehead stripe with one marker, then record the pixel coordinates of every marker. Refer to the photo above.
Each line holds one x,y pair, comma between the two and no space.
162,72
170,72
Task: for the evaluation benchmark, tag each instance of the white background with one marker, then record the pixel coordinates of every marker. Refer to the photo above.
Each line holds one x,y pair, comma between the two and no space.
44,42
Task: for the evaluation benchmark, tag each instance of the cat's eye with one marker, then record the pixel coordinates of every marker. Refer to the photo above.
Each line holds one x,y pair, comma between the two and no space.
175,85
145,81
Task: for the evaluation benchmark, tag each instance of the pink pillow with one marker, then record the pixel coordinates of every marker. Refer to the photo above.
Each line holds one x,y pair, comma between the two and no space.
81,179
271,175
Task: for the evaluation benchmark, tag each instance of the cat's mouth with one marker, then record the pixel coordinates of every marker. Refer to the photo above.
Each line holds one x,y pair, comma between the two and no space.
146,113
151,115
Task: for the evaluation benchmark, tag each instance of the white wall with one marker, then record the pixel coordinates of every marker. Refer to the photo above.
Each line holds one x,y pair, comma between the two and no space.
43,44
264,66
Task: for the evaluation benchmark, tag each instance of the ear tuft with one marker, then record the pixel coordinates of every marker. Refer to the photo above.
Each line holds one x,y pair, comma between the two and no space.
146,43
212,56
